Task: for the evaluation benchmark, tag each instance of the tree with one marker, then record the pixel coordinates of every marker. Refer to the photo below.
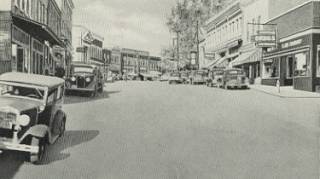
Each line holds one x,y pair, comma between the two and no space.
184,17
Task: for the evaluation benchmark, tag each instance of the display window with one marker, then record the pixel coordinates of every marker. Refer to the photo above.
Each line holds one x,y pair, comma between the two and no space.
302,65
271,68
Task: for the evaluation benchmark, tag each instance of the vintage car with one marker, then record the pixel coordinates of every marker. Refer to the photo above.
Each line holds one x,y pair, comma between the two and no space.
85,78
198,77
185,77
31,115
175,78
215,77
165,77
234,78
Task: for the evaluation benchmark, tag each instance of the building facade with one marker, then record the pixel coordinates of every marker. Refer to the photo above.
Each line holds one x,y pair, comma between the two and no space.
238,35
29,36
66,7
134,61
295,59
224,35
88,46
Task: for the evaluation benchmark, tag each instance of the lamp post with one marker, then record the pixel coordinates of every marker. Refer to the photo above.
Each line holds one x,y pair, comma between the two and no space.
197,38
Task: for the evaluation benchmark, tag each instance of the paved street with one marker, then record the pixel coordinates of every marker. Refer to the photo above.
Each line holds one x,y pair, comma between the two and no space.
151,130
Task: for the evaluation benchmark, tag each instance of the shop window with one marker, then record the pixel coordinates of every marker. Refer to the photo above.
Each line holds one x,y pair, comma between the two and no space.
301,66
271,68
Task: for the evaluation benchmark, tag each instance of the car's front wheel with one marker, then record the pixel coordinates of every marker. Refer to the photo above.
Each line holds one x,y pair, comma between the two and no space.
37,157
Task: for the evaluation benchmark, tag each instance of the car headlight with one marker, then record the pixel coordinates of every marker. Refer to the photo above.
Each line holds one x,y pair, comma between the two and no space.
23,120
88,80
73,78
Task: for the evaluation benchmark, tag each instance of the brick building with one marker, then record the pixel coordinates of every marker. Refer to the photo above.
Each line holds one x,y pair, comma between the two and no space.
295,60
30,31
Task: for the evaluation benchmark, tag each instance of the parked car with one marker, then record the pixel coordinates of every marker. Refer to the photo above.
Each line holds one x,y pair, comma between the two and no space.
31,115
85,78
198,77
215,77
175,78
165,77
234,78
185,77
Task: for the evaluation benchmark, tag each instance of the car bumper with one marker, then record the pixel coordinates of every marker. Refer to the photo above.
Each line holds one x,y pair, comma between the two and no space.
237,85
7,144
80,89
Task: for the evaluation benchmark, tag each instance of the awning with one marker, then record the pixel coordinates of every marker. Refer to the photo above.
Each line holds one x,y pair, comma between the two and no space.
36,29
247,57
222,62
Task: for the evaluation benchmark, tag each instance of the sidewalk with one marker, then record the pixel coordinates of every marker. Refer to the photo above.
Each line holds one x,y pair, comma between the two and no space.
285,92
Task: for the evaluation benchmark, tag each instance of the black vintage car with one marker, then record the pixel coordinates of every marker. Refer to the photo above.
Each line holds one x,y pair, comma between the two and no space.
85,78
31,115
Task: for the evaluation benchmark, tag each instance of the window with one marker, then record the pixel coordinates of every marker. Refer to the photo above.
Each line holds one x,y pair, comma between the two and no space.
271,68
51,96
301,66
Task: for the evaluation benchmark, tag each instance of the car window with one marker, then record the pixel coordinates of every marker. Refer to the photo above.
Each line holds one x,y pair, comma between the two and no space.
16,90
52,95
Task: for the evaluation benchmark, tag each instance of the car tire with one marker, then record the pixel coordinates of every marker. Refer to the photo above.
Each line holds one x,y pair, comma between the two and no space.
37,158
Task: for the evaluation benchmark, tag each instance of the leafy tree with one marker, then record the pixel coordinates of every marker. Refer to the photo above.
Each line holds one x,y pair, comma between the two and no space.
185,16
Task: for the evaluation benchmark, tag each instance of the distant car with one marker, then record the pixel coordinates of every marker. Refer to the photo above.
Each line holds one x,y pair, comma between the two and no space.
234,78
85,78
164,77
110,79
175,78
215,77
198,77
185,77
31,115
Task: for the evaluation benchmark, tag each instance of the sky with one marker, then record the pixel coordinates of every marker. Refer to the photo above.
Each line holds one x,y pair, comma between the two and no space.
136,24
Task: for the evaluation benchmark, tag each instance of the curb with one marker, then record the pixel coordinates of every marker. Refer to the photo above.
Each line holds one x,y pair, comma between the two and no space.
284,96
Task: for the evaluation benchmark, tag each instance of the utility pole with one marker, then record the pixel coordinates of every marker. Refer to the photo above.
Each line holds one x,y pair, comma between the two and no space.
198,50
178,50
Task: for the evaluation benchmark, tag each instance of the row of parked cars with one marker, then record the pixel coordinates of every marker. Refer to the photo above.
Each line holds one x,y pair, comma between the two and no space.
216,77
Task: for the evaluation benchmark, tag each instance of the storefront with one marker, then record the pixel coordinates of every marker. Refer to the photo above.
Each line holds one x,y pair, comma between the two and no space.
249,61
291,64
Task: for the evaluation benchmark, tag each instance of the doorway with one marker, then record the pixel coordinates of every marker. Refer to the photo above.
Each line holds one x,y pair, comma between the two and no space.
20,59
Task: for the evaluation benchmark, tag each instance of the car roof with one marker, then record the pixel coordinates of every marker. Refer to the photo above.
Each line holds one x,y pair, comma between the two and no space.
82,65
31,79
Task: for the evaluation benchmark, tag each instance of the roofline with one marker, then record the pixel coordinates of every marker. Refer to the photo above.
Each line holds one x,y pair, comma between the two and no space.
292,9
223,11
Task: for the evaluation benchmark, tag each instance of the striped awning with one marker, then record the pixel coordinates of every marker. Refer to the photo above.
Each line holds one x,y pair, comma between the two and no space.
247,57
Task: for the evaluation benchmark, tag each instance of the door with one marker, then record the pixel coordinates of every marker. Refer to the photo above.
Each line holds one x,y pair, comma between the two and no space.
20,59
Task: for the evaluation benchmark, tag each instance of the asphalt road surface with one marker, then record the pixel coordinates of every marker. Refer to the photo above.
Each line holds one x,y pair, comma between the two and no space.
152,130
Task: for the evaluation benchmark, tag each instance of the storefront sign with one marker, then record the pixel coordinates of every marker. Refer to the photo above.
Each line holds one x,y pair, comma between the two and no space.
265,38
291,43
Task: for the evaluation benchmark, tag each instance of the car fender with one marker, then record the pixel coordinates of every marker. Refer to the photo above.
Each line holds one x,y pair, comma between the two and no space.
39,131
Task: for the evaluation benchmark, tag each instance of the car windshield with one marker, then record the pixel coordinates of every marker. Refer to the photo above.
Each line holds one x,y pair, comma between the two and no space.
78,69
21,91
175,74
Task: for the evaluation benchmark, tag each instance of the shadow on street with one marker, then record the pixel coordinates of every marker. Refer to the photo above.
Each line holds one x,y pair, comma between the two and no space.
11,161
70,139
74,98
